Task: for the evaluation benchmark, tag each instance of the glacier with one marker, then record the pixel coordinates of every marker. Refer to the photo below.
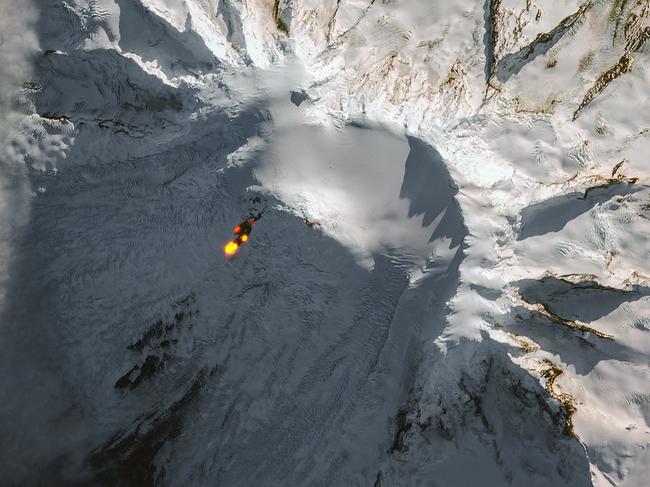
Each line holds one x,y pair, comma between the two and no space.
450,283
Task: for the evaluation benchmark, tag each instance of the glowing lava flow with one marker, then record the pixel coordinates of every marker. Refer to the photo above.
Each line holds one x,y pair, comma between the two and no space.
242,232
231,248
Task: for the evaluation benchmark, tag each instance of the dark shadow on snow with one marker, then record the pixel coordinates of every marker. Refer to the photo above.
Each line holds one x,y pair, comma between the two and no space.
510,64
488,40
431,192
583,301
553,214
583,351
154,39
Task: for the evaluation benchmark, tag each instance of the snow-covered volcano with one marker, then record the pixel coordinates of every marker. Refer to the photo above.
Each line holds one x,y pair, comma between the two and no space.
449,284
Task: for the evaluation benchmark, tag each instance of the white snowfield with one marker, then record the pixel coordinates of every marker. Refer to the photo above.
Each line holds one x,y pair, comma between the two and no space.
449,285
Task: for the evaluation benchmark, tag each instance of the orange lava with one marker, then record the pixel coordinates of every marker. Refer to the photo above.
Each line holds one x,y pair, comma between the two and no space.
231,248
244,238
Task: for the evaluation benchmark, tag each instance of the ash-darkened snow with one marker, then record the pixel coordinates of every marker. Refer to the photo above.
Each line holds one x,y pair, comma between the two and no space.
446,282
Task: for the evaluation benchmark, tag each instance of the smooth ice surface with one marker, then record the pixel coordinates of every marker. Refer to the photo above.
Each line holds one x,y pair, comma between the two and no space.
372,190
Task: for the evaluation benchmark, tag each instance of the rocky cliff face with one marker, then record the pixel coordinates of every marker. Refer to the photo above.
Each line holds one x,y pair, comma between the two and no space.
468,302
